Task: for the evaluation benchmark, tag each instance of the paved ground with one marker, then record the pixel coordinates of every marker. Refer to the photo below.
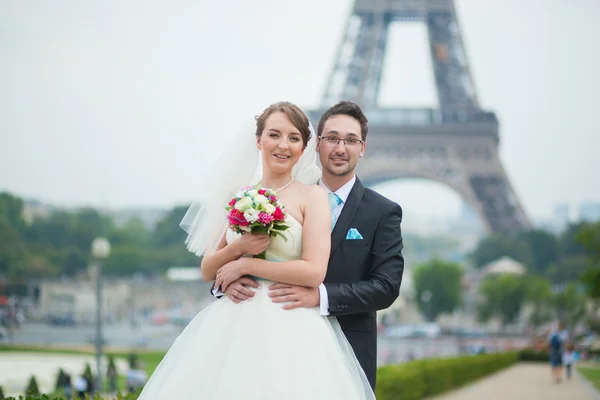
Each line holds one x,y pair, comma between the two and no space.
525,381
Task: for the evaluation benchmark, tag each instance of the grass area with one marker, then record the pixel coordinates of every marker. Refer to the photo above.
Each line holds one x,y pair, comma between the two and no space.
591,374
150,359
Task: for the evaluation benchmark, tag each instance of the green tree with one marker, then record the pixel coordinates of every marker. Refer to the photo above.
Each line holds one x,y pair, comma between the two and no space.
111,363
569,244
133,233
569,303
568,269
496,246
32,387
60,380
87,373
60,243
87,225
503,296
74,260
589,238
125,260
539,293
168,232
11,211
12,246
543,247
132,359
12,249
438,287
54,230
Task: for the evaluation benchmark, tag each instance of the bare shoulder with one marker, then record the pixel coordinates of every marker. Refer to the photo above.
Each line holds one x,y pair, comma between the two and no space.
312,195
315,193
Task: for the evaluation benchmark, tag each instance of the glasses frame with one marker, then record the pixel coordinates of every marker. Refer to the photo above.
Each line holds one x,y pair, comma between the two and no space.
343,140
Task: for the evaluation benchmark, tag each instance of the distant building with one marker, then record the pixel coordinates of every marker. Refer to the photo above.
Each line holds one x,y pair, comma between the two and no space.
178,293
184,274
589,212
558,222
149,216
504,265
33,209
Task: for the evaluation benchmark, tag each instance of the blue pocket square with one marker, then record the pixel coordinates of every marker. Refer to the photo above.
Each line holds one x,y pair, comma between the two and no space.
353,234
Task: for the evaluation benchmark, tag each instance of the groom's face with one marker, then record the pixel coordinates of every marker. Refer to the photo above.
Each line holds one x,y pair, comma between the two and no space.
340,159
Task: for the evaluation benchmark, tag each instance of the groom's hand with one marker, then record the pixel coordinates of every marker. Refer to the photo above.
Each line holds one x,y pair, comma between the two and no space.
299,296
239,291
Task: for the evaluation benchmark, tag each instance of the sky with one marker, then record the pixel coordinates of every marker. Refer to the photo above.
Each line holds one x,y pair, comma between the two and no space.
119,104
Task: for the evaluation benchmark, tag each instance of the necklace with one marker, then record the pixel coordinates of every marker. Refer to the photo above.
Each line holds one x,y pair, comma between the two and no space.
284,186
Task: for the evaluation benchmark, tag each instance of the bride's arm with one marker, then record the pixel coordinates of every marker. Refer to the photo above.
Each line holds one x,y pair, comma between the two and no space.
224,254
316,243
248,243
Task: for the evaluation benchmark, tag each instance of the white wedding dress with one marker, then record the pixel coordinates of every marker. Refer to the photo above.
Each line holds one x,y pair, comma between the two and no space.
255,350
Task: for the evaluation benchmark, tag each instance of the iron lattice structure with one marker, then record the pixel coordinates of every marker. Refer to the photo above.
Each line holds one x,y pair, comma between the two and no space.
455,143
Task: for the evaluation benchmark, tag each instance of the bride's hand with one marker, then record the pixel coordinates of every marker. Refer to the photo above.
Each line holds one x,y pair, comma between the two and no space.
229,273
253,243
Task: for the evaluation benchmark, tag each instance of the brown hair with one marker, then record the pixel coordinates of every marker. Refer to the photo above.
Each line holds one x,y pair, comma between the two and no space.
345,108
293,112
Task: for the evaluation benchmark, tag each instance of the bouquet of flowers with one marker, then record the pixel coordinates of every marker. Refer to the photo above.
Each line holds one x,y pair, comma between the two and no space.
256,210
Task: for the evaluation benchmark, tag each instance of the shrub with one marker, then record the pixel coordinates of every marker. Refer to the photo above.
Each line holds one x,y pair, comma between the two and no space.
133,360
32,387
60,380
533,355
424,378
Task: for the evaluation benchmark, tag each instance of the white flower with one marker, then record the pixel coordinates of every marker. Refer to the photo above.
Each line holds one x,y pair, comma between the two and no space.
253,193
243,204
269,208
251,215
239,194
260,199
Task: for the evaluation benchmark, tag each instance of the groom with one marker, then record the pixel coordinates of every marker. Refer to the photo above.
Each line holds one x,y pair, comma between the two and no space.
366,264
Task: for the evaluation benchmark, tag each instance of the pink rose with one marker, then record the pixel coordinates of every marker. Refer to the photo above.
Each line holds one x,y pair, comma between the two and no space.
262,191
278,214
236,217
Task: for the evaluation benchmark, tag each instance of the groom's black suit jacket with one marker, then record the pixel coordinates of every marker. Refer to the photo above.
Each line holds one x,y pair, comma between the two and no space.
364,275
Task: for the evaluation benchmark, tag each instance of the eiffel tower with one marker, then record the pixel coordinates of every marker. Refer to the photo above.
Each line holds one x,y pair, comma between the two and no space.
456,143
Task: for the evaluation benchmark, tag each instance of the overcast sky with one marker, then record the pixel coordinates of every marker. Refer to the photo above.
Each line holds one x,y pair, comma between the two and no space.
116,103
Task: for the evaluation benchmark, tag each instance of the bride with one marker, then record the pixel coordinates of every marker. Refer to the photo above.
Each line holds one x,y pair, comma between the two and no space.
255,349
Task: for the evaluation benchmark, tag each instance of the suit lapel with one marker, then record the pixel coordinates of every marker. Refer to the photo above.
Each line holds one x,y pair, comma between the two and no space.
345,219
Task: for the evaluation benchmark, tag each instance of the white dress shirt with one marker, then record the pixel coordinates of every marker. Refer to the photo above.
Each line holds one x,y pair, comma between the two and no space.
343,194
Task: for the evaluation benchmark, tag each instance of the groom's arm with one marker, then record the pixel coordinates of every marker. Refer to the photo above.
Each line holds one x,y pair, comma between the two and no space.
382,286
216,292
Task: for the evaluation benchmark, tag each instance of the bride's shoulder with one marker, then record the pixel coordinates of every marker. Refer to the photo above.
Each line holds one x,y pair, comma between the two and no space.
312,193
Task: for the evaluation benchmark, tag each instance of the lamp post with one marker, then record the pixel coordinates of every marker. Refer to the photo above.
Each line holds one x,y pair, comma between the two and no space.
100,251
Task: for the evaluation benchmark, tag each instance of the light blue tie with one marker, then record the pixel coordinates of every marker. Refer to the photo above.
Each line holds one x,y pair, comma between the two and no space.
334,201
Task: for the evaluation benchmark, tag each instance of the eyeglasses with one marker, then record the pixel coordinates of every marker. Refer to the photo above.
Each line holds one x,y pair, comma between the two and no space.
334,141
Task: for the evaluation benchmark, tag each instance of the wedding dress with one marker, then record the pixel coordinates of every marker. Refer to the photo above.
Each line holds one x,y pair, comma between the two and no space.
255,350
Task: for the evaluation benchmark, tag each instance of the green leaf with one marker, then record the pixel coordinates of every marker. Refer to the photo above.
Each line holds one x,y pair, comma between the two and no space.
258,229
277,233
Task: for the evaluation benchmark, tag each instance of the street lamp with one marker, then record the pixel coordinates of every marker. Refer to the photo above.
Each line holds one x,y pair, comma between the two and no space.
100,251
